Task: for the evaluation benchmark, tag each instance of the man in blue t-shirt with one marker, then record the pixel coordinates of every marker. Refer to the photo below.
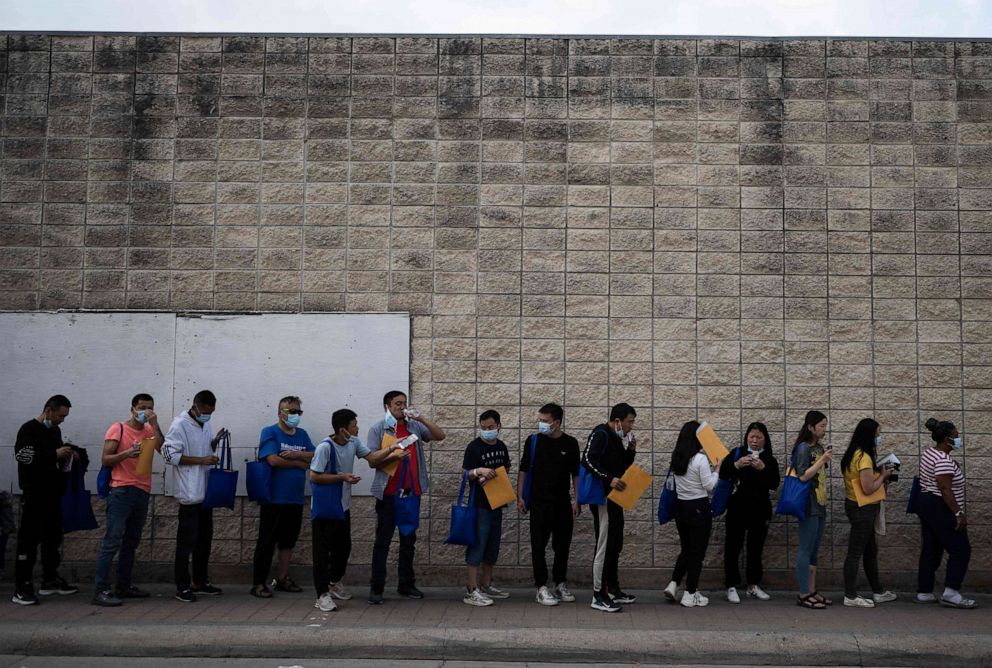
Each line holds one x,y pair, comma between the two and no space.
288,450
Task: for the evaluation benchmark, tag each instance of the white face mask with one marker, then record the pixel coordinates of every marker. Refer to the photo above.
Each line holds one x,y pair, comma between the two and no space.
957,442
544,428
878,441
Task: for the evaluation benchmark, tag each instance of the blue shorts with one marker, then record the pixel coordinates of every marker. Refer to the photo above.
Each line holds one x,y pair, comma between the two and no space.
489,530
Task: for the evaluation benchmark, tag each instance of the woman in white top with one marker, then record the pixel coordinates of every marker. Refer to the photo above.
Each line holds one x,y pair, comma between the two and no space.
694,480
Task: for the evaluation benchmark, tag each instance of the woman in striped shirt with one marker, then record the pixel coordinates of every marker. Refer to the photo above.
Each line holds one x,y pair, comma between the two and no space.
942,518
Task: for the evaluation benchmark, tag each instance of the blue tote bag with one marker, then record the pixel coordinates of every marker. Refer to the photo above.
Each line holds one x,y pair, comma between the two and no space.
667,499
913,505
325,498
258,481
77,511
105,476
529,480
795,493
222,481
591,491
407,508
724,490
463,527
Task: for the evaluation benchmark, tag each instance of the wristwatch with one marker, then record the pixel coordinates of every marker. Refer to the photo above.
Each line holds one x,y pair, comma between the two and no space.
960,513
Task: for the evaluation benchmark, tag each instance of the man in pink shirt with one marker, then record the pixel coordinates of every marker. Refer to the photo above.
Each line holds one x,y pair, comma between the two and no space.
127,505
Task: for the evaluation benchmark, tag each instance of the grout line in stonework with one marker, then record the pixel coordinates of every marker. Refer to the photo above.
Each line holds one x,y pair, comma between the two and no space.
306,185
216,177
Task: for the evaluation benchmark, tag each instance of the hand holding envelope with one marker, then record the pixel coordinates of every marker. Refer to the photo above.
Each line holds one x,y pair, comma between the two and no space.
499,490
637,482
147,447
714,447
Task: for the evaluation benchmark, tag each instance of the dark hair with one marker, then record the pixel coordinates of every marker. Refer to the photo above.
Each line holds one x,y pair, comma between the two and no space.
554,410
389,396
56,402
686,447
862,439
141,396
341,419
805,434
290,399
760,426
621,411
940,429
486,415
204,398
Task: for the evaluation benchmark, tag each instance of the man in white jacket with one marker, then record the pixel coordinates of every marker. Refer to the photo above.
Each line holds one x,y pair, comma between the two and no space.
189,447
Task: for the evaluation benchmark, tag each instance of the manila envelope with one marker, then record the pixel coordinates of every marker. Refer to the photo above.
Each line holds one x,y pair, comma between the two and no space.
638,481
866,499
388,440
499,490
714,447
144,466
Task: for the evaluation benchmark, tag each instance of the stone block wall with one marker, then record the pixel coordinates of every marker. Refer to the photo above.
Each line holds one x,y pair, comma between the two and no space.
727,229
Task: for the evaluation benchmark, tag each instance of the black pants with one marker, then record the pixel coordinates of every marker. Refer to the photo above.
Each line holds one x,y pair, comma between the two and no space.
41,526
938,534
279,527
331,549
385,511
694,521
861,545
550,521
609,577
752,529
193,537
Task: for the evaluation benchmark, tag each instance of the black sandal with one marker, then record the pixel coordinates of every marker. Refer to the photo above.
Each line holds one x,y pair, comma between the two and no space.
819,598
809,601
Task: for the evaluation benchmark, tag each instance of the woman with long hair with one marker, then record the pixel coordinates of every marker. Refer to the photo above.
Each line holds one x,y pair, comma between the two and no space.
809,457
861,474
754,470
942,520
694,480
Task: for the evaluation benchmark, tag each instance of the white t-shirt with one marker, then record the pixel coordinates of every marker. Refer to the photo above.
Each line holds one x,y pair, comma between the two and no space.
699,479
344,461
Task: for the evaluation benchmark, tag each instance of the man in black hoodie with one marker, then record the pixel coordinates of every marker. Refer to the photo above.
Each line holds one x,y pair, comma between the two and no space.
609,452
42,462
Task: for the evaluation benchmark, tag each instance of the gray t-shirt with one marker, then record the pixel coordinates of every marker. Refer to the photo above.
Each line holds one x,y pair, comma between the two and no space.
344,461
805,457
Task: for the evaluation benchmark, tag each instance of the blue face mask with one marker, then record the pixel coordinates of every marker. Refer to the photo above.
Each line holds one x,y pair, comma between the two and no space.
957,442
544,428
878,441
489,434
203,419
140,417
47,423
390,420
293,420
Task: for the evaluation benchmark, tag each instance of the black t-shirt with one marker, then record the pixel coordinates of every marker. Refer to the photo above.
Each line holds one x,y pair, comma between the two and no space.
38,470
556,461
480,454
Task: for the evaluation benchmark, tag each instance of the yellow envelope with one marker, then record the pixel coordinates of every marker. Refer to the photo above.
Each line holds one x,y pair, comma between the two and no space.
499,490
144,466
388,440
867,499
714,447
638,481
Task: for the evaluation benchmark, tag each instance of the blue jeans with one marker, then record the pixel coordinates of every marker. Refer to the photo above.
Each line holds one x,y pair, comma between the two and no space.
810,534
489,530
127,508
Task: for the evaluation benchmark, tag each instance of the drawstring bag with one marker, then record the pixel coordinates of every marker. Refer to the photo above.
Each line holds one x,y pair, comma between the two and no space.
795,493
222,481
325,498
463,527
724,490
407,508
667,499
105,476
77,511
529,479
258,480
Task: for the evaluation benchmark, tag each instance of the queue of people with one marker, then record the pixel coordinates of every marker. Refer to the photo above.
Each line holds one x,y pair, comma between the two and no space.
553,478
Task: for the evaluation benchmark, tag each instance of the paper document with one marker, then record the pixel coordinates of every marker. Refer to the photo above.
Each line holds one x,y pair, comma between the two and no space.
144,466
638,481
388,441
714,447
499,490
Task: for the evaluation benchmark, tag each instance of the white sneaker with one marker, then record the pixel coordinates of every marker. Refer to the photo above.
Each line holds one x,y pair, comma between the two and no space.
858,602
476,598
884,597
671,591
701,601
492,591
563,594
925,598
732,595
337,590
545,597
325,603
754,591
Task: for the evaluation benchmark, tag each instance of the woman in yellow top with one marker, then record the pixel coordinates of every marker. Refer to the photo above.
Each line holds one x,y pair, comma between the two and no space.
862,477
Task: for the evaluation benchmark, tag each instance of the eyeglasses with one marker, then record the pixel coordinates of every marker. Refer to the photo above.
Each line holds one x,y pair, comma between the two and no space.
292,411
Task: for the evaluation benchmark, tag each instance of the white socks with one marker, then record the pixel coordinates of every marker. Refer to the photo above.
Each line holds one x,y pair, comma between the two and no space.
951,595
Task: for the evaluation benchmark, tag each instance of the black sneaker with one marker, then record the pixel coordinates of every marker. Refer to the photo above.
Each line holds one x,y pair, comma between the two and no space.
286,584
186,596
106,599
207,589
604,603
57,586
24,596
260,591
131,592
621,597
375,597
410,592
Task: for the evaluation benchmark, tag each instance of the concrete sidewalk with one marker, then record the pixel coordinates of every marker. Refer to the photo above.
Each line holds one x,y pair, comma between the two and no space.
441,627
